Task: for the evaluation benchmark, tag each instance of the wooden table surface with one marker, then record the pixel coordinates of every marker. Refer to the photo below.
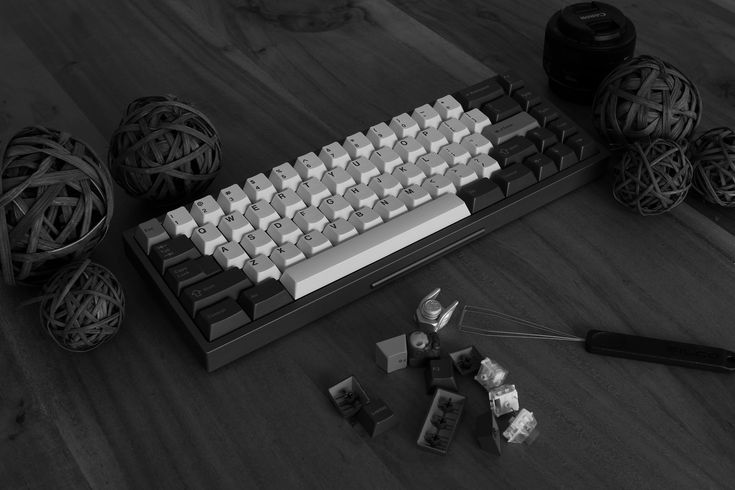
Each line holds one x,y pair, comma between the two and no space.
279,78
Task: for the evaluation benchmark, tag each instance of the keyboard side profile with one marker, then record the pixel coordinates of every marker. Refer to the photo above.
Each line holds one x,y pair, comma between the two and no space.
520,154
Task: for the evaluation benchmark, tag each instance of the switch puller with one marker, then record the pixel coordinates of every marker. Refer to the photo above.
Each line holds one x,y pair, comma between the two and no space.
431,315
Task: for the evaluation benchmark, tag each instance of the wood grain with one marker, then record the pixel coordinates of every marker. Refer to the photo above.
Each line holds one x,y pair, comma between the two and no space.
279,78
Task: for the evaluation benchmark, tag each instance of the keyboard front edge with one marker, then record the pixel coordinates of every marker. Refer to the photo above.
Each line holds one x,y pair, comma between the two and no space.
303,311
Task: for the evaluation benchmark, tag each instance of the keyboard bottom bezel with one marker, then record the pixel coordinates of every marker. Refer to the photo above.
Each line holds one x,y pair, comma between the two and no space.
305,310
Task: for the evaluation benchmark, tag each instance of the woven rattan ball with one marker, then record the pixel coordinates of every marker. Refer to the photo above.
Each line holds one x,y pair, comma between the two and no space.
652,179
82,306
646,98
713,157
56,202
164,149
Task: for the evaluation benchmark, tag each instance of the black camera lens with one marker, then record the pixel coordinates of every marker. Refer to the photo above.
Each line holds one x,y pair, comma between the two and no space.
583,43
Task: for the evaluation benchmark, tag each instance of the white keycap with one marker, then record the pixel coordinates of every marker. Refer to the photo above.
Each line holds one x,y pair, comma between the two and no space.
408,149
336,207
409,174
233,198
483,165
455,153
339,231
310,166
413,196
312,192
229,255
257,242
385,185
206,238
234,225
261,214
286,255
339,261
206,210
360,196
283,231
432,164
453,130
385,159
381,135
362,170
448,107
364,218
426,116
461,175
390,207
475,120
179,222
310,219
312,243
431,139
338,181
404,126
438,185
287,202
284,176
260,268
477,144
357,145
259,188
334,156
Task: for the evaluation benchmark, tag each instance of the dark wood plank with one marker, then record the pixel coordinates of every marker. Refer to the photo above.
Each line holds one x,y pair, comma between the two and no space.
697,40
281,78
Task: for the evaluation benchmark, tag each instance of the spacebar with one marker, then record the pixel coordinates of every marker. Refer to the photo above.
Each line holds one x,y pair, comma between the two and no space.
362,250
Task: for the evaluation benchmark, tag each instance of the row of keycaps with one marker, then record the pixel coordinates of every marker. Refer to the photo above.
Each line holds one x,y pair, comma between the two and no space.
526,151
206,291
300,203
284,179
289,224
221,300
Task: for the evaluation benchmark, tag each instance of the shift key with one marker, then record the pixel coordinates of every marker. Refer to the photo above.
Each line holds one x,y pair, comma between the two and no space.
190,272
227,284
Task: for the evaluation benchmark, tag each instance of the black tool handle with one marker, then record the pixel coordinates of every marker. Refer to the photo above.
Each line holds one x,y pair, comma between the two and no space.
661,351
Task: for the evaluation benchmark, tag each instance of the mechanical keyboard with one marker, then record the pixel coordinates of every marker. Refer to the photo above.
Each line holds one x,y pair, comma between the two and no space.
251,263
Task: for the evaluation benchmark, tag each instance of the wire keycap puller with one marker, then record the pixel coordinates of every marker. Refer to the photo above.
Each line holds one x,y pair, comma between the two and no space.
476,320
